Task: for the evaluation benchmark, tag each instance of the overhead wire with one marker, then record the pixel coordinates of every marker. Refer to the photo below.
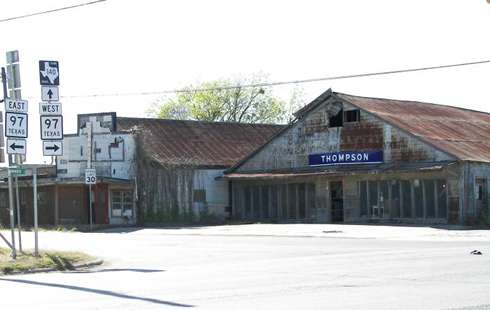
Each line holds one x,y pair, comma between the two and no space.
279,83
51,11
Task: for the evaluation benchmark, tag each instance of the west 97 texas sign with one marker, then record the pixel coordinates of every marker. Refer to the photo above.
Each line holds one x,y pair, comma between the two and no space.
51,127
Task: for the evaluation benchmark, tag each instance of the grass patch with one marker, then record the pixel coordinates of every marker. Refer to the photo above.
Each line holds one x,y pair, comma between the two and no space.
51,259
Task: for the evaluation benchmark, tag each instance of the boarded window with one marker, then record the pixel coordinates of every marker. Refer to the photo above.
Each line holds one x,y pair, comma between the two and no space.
406,199
373,195
283,192
247,193
274,205
199,195
265,202
363,197
383,198
395,199
301,200
352,116
429,198
418,198
441,198
292,201
256,202
311,196
3,199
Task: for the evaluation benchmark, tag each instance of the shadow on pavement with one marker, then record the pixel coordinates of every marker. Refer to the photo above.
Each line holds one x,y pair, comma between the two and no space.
97,291
118,269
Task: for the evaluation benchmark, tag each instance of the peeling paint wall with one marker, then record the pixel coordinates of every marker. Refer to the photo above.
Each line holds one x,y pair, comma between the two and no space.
113,154
312,134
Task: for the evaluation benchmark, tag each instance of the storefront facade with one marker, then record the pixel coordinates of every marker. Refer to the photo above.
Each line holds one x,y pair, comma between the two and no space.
356,159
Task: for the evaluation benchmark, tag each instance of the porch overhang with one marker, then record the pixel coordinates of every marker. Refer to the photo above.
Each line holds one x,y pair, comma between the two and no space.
347,170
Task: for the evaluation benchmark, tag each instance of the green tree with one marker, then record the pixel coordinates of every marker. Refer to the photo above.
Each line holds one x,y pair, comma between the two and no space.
219,101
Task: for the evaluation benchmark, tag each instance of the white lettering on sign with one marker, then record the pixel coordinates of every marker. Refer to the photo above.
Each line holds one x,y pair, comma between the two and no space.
51,108
16,125
17,106
50,72
51,127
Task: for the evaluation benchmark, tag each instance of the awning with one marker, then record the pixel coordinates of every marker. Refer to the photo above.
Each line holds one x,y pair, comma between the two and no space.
343,171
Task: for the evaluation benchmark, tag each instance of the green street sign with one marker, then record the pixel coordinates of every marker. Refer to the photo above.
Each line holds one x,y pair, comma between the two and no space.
18,171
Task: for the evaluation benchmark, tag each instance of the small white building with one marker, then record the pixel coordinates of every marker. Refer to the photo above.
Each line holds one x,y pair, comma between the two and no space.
112,154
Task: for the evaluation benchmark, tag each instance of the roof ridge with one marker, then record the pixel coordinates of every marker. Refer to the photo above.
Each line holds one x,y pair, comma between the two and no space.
197,121
415,101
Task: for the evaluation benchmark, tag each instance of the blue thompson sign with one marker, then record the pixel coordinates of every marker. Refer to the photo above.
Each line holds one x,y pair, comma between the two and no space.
342,158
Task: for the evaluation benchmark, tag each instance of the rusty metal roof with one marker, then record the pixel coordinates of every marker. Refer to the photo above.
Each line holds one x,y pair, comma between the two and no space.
197,143
459,132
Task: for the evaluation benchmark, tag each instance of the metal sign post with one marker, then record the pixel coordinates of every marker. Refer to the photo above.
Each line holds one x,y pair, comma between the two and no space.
90,174
11,210
19,228
34,186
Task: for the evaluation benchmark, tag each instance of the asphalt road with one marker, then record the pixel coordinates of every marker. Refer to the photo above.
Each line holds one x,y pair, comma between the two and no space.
263,267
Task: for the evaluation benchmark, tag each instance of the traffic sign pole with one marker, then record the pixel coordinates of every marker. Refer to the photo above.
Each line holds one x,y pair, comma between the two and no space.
11,210
18,211
34,185
11,200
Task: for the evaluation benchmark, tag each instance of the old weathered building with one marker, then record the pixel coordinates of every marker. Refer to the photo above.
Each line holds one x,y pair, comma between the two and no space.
352,159
63,196
178,163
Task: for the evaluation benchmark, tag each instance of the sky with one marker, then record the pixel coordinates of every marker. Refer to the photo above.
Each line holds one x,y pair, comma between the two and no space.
129,46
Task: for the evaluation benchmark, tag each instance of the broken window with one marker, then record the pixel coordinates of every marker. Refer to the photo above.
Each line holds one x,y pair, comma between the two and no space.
199,195
418,198
302,200
395,199
352,116
256,201
429,198
292,201
265,202
336,120
122,203
441,198
248,202
363,197
274,201
406,191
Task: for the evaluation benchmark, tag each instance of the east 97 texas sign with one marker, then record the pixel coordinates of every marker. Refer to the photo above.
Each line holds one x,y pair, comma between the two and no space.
345,158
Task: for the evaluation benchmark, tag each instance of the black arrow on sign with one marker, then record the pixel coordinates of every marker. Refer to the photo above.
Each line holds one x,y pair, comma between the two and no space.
50,93
16,146
54,148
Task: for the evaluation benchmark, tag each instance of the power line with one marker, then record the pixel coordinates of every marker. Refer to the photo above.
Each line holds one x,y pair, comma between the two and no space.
271,84
51,11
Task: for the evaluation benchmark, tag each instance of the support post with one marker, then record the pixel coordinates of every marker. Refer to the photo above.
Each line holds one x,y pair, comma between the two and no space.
34,187
90,204
17,200
11,210
56,205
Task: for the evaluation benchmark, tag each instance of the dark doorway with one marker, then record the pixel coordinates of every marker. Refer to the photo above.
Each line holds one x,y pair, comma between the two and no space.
337,201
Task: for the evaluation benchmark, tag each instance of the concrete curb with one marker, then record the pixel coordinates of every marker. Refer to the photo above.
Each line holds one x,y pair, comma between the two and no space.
96,262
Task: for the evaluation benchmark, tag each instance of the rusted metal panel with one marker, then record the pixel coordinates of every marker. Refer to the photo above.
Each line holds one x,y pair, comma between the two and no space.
460,132
194,143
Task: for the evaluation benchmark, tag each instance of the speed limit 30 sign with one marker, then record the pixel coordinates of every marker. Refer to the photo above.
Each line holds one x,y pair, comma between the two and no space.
90,176
51,127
